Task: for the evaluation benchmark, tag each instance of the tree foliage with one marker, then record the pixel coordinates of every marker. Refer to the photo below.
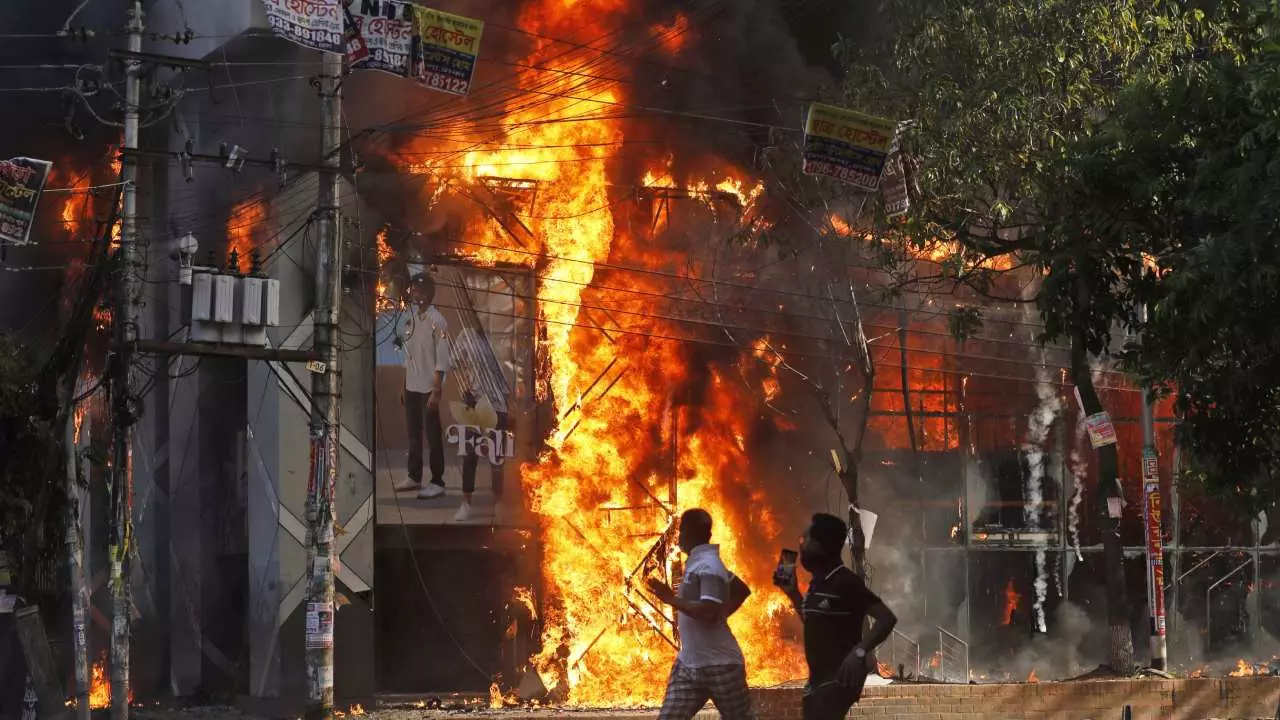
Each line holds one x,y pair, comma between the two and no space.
992,94
1186,174
28,443
995,98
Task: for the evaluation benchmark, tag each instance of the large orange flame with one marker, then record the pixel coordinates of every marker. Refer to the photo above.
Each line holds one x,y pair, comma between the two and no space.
629,453
100,685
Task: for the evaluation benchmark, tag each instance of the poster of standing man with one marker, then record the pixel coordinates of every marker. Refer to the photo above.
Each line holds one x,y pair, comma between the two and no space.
454,397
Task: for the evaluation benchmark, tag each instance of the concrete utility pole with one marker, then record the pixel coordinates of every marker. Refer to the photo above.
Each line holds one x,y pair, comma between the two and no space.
75,566
1154,528
325,399
130,270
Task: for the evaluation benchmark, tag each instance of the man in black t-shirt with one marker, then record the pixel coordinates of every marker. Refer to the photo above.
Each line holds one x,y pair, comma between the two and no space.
834,611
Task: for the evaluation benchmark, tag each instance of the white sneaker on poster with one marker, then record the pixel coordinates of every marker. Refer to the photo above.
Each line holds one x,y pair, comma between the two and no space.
406,485
464,512
430,491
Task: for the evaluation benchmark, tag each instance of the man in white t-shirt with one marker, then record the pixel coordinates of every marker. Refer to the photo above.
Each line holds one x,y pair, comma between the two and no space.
709,665
427,359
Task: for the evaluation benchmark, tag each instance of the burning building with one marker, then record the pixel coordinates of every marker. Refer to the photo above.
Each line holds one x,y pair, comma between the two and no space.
669,326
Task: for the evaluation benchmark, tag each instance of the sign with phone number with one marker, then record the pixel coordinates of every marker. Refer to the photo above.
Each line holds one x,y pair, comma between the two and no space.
847,145
853,176
446,50
315,24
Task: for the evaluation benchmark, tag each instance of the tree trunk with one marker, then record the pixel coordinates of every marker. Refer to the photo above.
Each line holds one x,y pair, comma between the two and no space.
1120,655
849,471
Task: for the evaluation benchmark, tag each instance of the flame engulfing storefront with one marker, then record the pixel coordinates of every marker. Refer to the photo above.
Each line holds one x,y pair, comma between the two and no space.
683,314
684,321
611,208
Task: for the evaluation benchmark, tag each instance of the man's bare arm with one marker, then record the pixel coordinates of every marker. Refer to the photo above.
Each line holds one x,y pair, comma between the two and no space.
883,626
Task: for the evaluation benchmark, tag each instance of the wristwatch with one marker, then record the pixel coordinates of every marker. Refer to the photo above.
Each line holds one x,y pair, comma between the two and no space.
860,653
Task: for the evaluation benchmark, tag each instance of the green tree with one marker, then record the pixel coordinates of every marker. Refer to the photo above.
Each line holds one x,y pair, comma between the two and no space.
993,95
1186,171
29,441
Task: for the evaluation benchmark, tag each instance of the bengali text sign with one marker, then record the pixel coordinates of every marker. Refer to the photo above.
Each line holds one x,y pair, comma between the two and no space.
388,38
847,145
446,49
315,24
21,183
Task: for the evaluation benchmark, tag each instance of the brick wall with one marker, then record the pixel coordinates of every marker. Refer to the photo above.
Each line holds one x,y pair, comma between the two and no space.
1256,698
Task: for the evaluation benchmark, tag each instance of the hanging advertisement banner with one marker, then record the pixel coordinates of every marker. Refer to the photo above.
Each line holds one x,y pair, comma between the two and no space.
357,48
1101,431
445,50
315,24
847,145
893,186
387,32
21,183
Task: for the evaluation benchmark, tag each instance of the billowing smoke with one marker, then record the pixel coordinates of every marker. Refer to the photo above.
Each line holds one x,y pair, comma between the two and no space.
1039,425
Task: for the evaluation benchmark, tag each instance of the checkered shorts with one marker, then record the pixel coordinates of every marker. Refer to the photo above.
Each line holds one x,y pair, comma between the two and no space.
689,689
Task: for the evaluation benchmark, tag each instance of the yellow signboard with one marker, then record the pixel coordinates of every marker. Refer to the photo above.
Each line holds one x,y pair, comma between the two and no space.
446,49
847,145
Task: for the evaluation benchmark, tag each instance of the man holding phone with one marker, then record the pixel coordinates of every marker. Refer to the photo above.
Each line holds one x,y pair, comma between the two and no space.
834,611
710,665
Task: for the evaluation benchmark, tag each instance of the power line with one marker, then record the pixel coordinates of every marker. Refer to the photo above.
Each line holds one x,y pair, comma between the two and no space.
796,353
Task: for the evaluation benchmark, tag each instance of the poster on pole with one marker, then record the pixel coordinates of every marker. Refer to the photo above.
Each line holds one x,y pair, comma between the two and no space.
846,145
319,625
387,33
1101,430
1155,556
446,47
21,183
1150,465
315,24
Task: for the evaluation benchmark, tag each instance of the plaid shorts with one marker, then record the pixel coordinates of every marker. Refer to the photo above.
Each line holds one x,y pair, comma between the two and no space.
689,689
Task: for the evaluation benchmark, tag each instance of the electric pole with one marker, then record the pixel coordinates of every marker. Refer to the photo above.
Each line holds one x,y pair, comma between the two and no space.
130,269
75,566
1154,527
325,399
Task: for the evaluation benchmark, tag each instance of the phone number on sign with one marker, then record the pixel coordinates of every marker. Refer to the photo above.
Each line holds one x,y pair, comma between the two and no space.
324,38
446,83
839,172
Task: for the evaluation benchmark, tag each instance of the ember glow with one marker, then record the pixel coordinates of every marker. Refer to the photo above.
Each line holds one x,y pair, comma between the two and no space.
524,596
244,230
384,301
1011,601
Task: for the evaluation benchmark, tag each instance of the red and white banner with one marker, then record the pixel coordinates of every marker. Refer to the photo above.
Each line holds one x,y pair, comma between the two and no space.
388,36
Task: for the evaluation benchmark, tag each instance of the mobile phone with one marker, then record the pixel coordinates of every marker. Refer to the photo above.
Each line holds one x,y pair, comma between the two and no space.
787,565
